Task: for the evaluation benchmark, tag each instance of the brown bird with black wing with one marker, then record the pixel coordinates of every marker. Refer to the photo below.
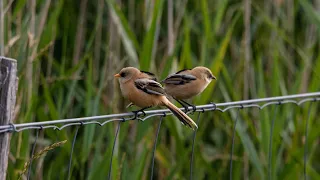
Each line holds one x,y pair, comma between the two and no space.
187,83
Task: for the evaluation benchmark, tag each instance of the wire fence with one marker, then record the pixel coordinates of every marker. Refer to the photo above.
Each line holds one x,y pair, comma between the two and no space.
297,99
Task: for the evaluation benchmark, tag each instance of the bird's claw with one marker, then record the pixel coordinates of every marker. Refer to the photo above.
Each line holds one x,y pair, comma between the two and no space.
186,108
136,114
194,108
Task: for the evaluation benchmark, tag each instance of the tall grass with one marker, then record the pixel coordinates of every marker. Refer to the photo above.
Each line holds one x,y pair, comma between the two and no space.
67,52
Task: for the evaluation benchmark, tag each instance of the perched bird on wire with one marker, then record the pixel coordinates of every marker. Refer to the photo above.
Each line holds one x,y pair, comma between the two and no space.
144,74
187,83
145,92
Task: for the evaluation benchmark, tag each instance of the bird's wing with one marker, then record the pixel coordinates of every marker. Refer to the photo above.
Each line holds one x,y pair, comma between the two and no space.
149,75
179,79
149,86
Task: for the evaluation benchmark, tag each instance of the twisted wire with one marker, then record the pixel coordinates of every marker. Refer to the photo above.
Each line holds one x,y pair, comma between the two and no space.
104,119
72,147
270,143
221,107
232,146
32,153
155,145
192,151
114,144
305,154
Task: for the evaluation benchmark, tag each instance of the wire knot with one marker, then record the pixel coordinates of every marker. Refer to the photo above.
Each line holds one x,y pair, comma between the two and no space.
202,110
164,114
41,128
14,128
241,106
123,120
214,106
279,102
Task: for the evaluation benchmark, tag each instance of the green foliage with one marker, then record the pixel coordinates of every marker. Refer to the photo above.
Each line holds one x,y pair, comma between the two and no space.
68,51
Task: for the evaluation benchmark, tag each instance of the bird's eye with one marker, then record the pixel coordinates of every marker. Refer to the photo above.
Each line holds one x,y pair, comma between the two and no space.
122,74
211,76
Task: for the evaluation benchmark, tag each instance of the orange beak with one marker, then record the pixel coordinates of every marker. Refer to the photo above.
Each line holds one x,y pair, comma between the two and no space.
117,75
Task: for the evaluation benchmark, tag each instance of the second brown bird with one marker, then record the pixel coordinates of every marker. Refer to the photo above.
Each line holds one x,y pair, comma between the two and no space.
187,83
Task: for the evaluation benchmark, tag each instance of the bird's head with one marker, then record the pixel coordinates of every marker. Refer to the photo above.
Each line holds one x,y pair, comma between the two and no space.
126,74
205,73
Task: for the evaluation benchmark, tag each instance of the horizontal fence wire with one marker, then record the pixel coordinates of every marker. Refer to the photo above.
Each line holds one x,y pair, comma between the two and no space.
297,99
101,120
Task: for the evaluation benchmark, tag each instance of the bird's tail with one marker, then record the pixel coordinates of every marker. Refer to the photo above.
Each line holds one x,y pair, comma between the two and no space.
185,119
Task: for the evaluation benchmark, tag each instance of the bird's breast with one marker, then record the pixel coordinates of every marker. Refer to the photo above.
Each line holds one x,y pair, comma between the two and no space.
142,99
138,97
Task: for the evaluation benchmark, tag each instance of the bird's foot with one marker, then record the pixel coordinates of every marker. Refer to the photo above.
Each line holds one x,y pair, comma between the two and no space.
186,108
194,108
137,114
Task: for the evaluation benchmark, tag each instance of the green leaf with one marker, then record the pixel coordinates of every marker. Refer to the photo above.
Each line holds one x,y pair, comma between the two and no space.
48,97
149,42
127,36
218,60
312,14
186,60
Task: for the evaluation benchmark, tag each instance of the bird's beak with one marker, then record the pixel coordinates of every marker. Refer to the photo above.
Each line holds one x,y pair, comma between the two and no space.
117,75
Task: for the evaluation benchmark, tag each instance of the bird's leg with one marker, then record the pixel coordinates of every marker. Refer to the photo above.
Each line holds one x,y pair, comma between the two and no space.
186,109
140,110
193,106
129,105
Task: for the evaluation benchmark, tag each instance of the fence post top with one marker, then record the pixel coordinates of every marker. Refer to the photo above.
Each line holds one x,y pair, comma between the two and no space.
9,59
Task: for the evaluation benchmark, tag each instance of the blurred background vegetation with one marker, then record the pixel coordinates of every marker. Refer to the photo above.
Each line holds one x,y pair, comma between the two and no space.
68,51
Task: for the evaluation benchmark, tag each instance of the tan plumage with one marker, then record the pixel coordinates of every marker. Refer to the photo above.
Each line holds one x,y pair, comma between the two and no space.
144,74
145,92
187,83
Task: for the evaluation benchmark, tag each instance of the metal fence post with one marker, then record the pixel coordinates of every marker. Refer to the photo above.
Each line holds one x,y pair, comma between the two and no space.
8,89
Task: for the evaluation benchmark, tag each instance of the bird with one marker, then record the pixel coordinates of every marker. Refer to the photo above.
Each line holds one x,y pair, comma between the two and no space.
144,74
187,83
145,93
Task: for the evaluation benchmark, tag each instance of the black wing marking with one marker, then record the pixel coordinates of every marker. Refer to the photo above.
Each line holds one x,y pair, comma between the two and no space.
182,71
149,73
179,79
149,86
152,76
